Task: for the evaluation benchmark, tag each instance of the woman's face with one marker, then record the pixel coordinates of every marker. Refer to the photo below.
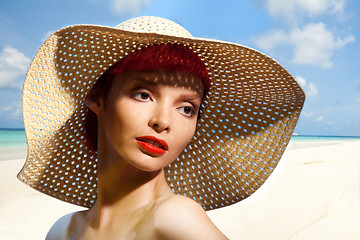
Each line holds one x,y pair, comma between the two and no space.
149,117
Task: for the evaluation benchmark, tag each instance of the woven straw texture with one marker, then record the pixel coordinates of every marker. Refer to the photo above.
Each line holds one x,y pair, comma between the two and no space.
246,121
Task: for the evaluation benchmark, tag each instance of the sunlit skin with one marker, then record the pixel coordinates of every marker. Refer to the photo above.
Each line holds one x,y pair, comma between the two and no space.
137,106
134,200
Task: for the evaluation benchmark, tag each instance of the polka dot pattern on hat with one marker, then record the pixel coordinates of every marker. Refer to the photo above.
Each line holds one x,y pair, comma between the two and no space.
246,121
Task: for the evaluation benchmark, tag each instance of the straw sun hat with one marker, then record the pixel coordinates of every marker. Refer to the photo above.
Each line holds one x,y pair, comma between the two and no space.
247,117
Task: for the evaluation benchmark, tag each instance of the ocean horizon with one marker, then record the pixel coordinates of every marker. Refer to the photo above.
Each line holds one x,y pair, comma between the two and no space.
15,137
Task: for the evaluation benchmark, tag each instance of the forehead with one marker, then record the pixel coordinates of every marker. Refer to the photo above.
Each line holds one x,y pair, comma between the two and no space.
163,77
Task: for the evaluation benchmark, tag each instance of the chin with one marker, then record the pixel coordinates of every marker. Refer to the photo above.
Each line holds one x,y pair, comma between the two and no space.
149,163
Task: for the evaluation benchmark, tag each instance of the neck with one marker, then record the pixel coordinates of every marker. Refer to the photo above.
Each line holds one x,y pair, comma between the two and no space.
122,189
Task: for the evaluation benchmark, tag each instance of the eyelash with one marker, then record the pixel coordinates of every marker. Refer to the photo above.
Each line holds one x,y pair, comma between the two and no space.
190,114
139,94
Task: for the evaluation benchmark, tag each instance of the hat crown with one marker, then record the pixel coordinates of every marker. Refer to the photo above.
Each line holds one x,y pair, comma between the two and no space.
149,24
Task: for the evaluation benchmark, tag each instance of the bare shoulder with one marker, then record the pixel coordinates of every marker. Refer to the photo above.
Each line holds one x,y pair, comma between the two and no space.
59,229
179,217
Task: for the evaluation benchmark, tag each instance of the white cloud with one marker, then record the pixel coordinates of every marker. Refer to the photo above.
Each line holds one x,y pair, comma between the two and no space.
313,44
320,119
301,81
13,64
310,88
12,110
6,108
271,40
307,114
46,35
294,9
126,7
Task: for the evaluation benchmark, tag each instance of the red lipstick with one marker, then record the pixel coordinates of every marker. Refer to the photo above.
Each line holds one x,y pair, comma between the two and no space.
152,144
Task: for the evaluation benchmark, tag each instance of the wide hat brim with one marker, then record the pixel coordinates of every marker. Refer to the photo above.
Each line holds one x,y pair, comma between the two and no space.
247,117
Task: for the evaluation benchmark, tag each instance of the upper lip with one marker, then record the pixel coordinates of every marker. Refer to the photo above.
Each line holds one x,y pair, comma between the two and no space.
154,141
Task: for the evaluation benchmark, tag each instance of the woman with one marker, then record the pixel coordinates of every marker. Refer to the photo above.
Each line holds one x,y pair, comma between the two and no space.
232,108
146,113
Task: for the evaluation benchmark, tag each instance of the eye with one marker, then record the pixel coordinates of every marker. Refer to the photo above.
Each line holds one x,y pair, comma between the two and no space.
187,110
142,96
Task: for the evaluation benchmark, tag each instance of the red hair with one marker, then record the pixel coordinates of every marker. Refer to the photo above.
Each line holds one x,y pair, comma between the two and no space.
171,57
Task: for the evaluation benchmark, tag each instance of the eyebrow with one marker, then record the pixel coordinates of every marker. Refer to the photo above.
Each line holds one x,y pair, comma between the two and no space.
149,82
190,97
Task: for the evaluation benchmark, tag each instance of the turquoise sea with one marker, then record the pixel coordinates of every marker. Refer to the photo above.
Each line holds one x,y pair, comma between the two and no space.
298,138
12,138
13,142
16,138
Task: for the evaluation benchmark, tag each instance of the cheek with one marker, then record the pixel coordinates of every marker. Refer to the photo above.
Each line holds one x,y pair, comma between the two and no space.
122,120
128,112
185,133
190,131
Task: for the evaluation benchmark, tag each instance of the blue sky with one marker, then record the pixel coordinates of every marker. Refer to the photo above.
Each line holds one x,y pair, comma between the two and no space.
316,40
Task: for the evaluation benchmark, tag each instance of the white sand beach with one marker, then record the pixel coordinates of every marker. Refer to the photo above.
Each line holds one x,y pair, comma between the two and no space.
314,193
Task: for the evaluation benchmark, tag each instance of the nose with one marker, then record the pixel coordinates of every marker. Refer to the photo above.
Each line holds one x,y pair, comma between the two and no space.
160,119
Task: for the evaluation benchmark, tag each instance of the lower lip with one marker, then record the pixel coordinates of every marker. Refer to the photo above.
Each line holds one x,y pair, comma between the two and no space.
151,148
